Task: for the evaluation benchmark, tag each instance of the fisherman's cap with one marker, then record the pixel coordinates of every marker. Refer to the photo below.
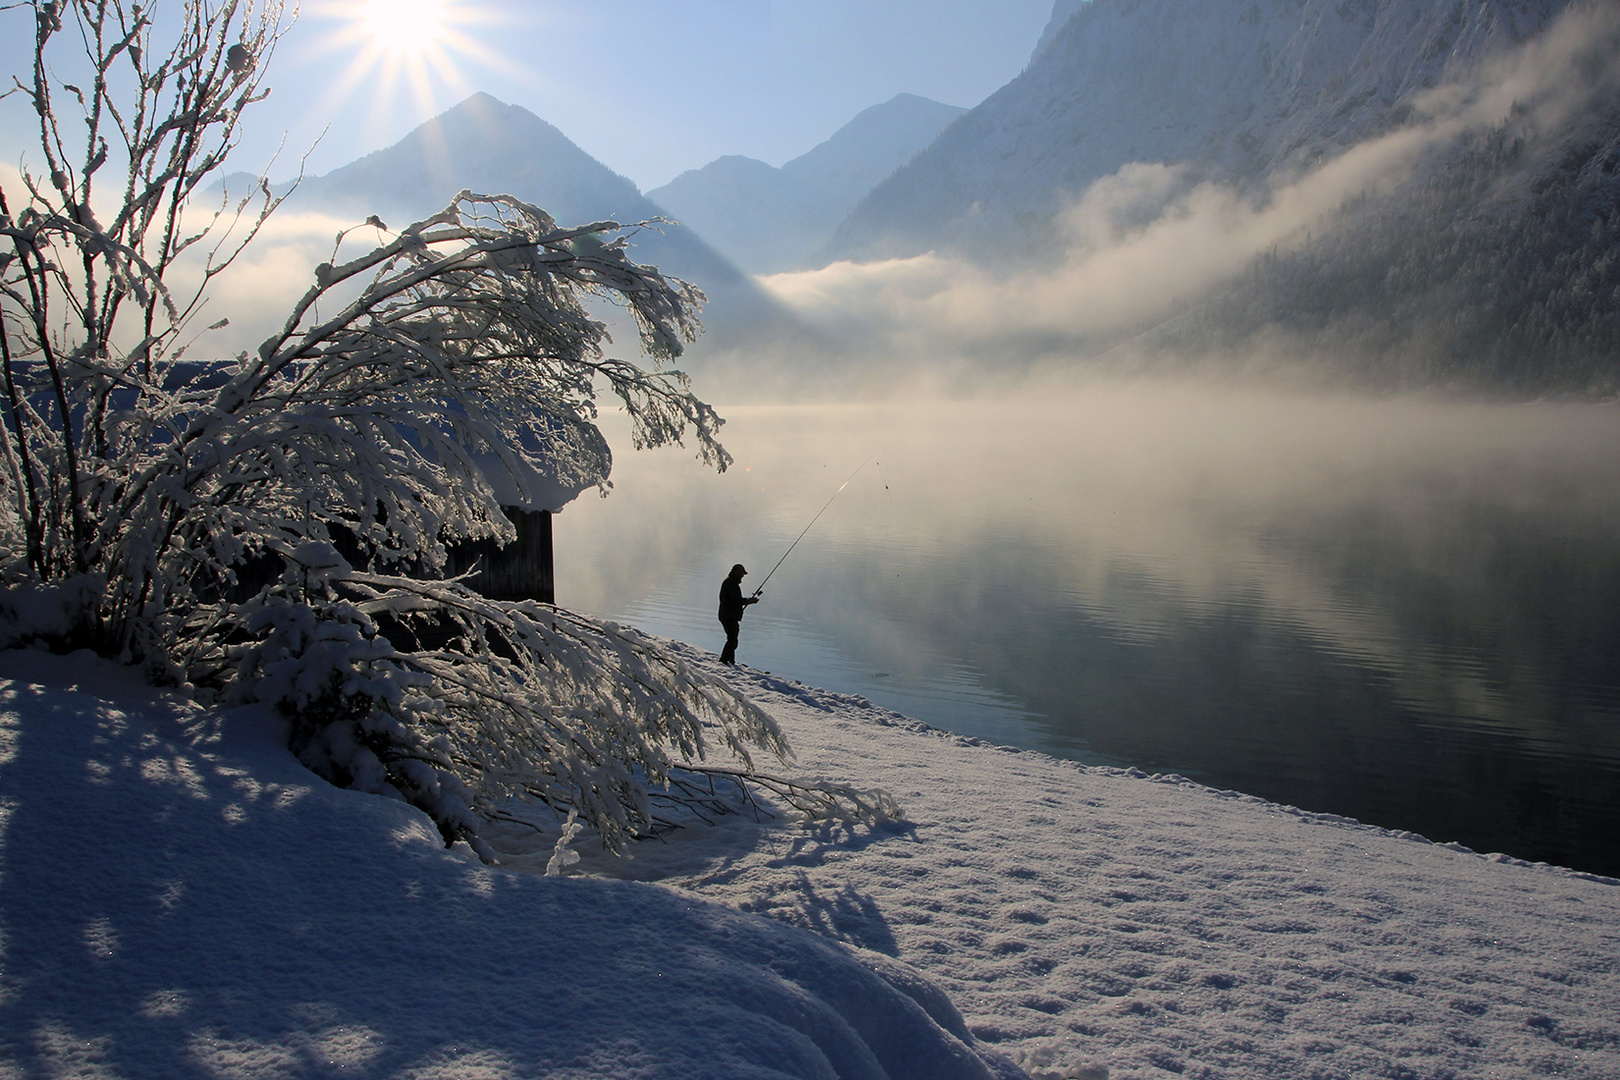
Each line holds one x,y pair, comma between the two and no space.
739,569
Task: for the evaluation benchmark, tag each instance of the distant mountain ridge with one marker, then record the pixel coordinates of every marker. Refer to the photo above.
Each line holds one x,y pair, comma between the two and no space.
768,219
491,147
871,146
486,145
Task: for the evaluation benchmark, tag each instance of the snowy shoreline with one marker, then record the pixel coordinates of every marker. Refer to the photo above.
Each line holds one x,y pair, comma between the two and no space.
178,897
1091,918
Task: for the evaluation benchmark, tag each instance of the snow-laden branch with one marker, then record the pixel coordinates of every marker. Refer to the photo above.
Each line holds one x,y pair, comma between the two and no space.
469,703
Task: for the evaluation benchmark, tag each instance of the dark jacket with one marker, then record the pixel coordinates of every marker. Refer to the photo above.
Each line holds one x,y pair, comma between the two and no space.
732,602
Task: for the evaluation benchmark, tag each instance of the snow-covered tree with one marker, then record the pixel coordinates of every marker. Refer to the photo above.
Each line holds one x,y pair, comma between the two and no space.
275,526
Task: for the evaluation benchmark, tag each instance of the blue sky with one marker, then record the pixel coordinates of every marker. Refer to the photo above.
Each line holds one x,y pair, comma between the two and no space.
649,87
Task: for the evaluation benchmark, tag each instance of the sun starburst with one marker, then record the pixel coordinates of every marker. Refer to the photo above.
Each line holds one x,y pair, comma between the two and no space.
403,57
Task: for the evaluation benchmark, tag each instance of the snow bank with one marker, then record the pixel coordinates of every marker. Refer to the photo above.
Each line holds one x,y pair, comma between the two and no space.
179,897
31,613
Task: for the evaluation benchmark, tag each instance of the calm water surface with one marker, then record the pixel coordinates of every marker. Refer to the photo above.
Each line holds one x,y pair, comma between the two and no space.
1403,612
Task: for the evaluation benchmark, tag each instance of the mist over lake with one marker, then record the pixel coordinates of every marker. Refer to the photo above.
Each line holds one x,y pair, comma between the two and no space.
1402,611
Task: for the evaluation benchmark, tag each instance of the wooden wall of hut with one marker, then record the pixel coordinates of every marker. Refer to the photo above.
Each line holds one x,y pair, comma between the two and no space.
522,570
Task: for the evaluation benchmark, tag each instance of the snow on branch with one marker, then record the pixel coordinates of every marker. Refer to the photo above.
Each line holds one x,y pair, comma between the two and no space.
517,700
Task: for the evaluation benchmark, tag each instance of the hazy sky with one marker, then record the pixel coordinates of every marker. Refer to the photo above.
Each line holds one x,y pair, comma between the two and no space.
649,87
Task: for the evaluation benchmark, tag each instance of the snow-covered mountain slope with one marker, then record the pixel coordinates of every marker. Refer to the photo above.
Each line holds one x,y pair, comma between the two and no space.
1499,269
1241,88
766,219
491,147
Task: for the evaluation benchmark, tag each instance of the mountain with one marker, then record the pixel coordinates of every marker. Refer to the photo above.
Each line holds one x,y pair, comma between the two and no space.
1478,246
760,218
1238,88
1498,270
486,145
492,147
766,219
874,144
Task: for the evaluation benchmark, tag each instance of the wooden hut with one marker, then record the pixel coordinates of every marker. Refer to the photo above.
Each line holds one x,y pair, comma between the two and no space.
524,569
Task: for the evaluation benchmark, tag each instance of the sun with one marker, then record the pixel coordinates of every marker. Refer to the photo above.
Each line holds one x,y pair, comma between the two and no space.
404,27
405,58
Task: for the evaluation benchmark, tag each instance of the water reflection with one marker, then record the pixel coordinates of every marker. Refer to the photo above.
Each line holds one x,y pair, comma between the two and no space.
1404,612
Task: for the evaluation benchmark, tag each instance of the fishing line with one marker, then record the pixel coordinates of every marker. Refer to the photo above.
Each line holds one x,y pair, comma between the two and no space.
813,520
885,480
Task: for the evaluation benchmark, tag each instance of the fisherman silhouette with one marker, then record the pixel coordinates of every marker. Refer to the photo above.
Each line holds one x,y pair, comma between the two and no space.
732,604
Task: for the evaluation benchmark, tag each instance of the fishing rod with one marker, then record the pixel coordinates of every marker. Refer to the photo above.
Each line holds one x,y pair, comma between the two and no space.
813,520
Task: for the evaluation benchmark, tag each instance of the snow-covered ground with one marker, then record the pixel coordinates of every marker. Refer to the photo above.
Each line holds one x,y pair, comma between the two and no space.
179,898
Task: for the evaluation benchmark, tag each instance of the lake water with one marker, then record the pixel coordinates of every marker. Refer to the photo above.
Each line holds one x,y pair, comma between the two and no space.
1401,611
